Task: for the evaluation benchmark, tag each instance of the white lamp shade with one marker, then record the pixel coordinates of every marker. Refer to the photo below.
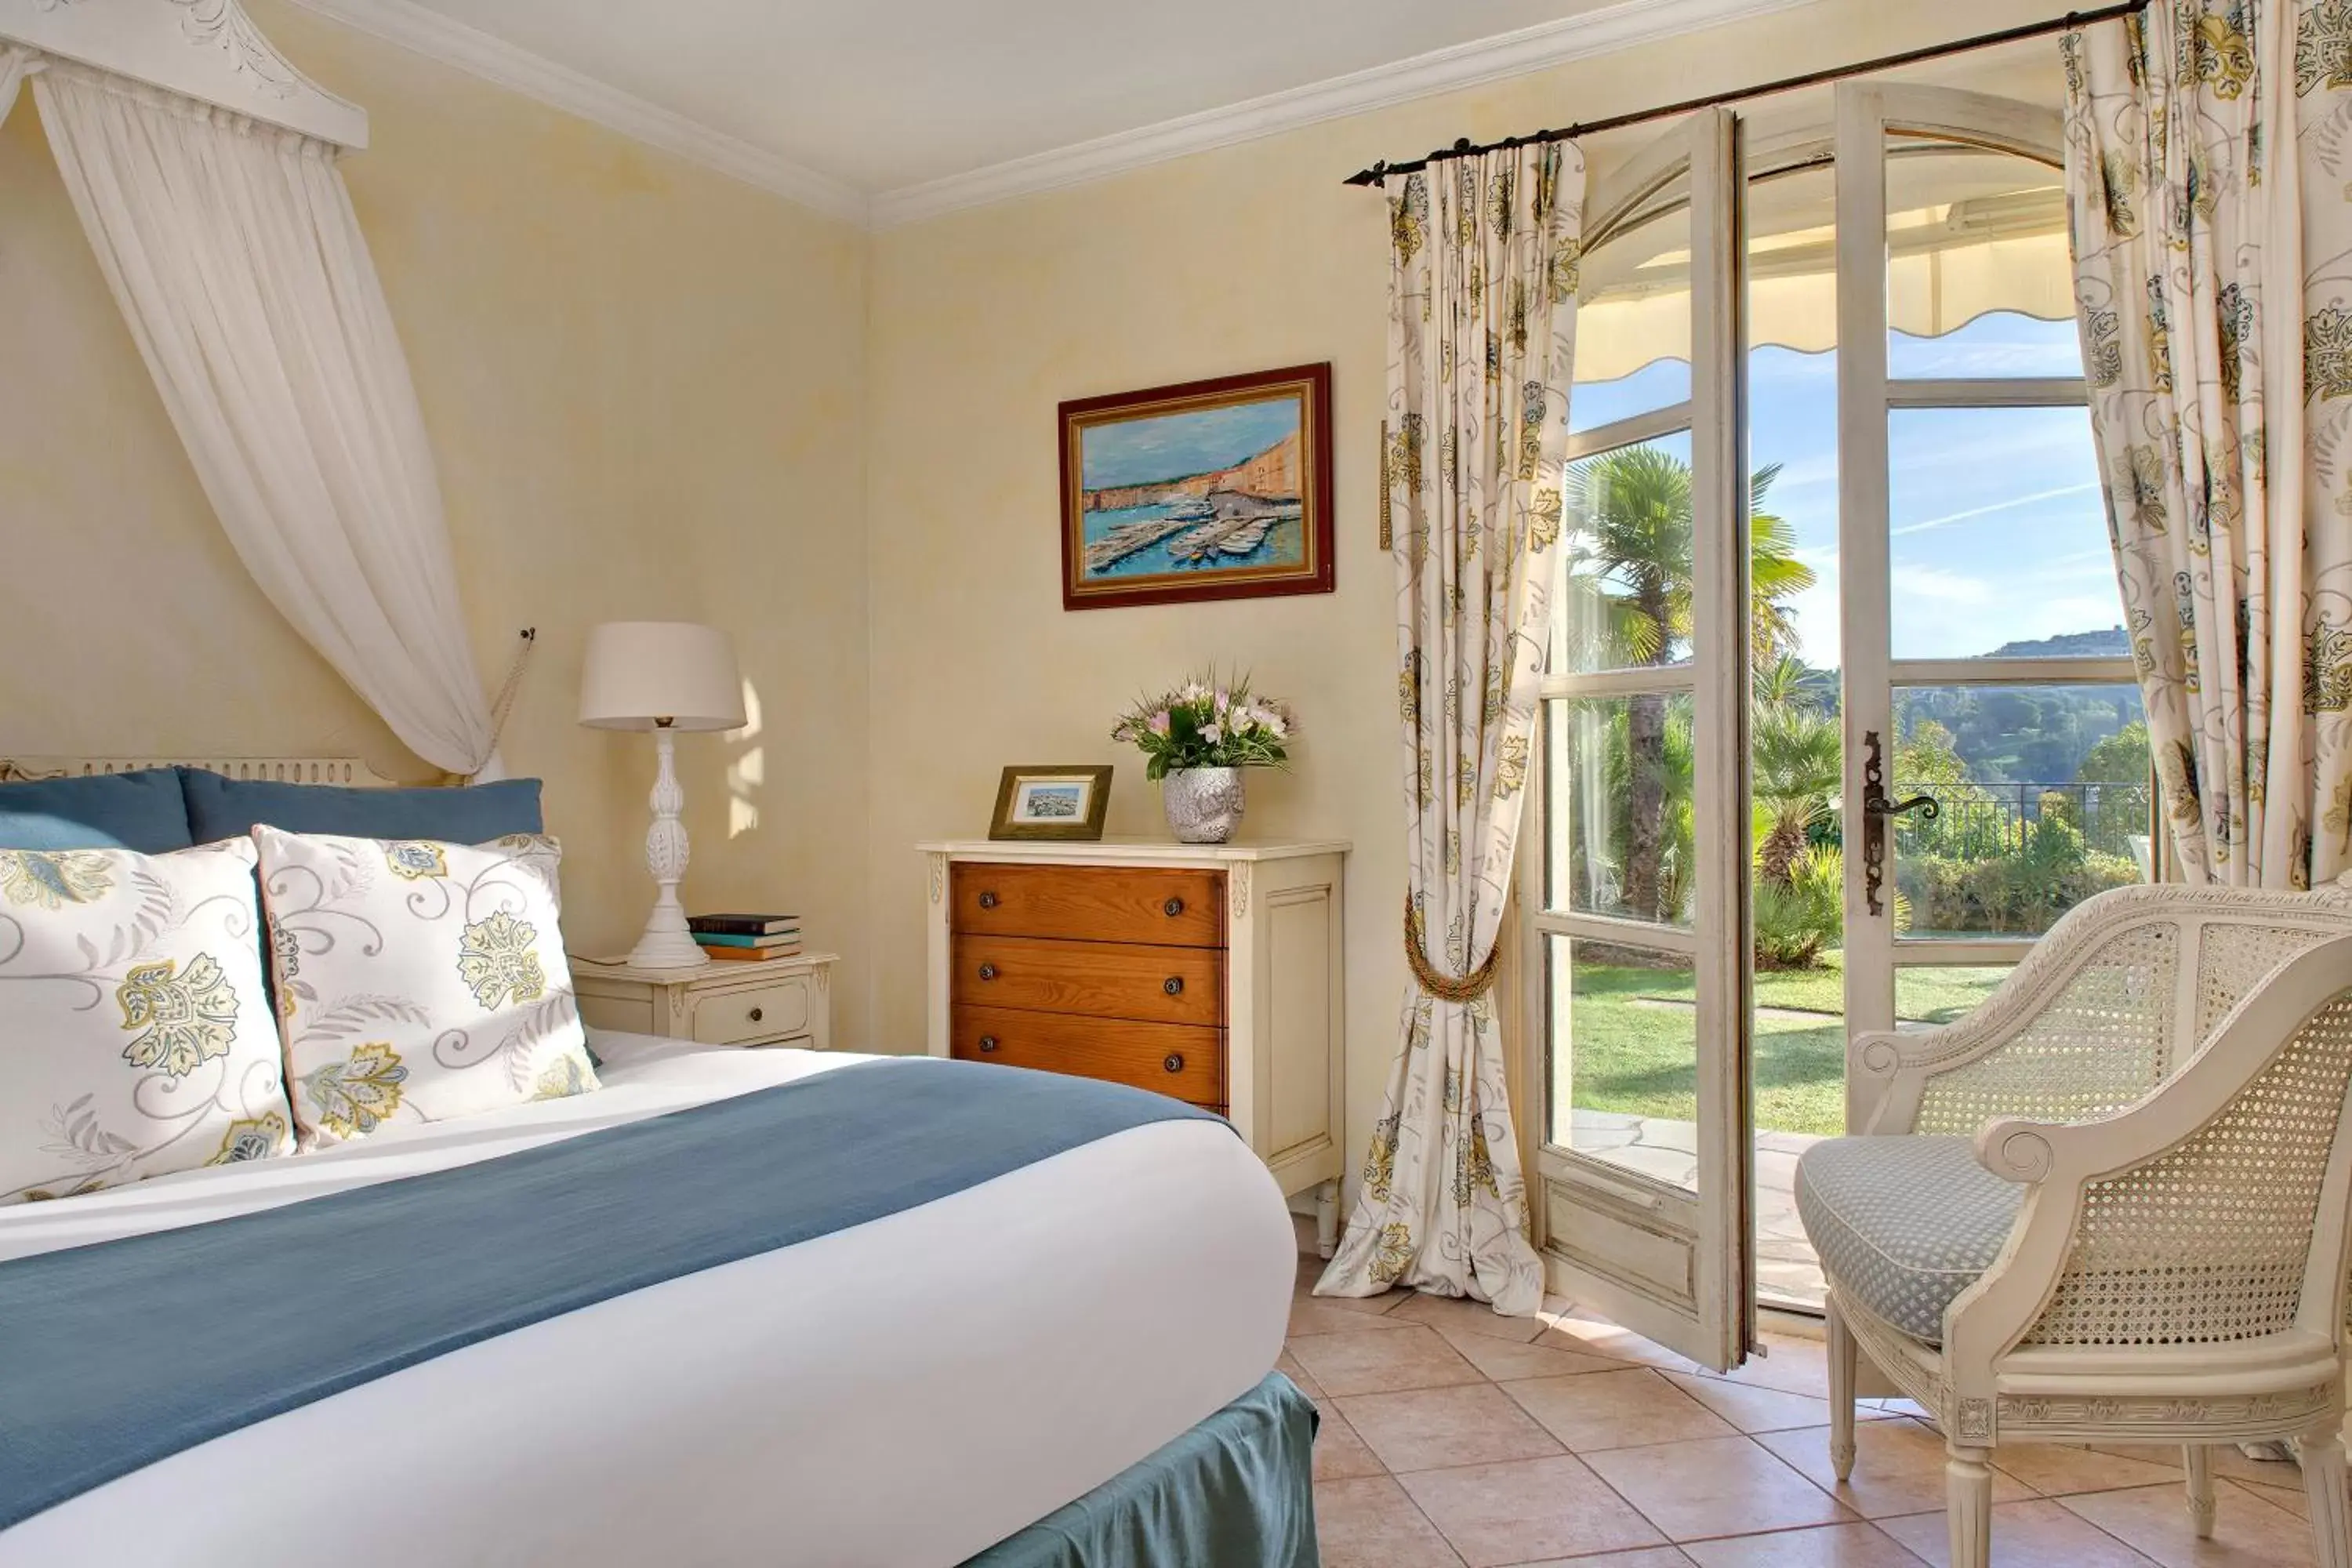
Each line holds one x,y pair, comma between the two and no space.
638,673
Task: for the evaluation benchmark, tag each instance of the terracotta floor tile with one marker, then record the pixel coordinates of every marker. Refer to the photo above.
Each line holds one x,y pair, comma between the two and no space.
1503,1360
1370,1523
1443,1312
2295,1502
2055,1469
1398,1355
1898,1469
2155,1520
1527,1510
1829,1546
1723,1487
1648,1557
1753,1409
1626,1409
1424,1429
1314,1315
1791,1365
1339,1454
2025,1535
1287,1364
1567,1328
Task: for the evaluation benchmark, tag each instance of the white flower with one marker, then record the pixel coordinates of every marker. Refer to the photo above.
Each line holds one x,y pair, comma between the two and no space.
1211,733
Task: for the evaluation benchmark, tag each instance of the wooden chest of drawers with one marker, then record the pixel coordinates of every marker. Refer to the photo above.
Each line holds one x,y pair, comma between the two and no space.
1207,972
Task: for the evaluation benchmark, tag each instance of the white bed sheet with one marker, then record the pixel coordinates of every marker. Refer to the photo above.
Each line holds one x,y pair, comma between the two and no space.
901,1393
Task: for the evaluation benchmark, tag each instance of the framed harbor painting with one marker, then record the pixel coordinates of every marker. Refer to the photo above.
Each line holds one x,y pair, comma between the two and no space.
1210,490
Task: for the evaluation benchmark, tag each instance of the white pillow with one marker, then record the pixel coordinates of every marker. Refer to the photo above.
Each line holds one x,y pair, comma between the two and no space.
135,1034
419,981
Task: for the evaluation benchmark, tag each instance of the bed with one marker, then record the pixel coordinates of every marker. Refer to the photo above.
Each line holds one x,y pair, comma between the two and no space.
1019,1371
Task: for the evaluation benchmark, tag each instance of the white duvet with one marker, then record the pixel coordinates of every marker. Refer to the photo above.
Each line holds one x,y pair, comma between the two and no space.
902,1394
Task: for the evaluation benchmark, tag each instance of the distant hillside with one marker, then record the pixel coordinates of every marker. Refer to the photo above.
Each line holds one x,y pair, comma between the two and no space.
2113,642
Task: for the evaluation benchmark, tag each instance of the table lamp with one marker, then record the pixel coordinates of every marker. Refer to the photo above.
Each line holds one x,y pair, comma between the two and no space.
663,676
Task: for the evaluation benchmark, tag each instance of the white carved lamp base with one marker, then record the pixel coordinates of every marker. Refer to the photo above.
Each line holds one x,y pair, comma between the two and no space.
667,944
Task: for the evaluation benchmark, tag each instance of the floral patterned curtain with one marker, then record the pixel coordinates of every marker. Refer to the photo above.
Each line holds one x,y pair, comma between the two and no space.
1482,329
2209,144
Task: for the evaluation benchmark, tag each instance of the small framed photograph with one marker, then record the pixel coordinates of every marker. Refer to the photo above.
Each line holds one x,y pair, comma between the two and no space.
1052,802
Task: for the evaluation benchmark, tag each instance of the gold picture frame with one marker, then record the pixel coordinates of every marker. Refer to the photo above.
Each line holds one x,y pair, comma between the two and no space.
1044,801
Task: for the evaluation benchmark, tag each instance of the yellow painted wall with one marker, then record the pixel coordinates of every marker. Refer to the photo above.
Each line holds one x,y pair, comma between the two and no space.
1238,260
644,383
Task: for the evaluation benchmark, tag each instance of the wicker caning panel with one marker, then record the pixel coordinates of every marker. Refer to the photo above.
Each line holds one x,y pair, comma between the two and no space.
2101,1045
2210,1242
2233,959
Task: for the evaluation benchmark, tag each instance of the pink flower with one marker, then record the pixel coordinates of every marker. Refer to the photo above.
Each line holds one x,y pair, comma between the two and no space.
1224,700
1160,722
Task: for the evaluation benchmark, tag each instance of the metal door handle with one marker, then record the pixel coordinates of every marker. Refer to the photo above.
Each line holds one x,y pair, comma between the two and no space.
1174,985
988,900
1879,808
1175,1062
988,1042
758,1014
1173,908
988,972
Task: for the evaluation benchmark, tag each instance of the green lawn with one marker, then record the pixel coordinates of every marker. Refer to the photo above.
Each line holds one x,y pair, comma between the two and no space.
1632,1030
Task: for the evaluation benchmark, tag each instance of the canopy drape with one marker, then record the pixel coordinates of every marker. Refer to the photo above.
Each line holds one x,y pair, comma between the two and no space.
2207,173
1482,345
232,250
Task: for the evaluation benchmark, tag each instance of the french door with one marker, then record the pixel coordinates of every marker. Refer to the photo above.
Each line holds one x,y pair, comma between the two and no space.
1643,818
1918,235
1930,924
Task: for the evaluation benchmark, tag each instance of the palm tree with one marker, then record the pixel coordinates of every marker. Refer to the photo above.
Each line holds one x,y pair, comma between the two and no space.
1631,511
1797,760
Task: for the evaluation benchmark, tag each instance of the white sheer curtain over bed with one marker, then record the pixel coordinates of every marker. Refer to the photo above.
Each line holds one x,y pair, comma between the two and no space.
232,247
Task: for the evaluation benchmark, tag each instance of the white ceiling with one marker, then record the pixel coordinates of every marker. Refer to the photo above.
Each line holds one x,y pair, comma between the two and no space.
872,97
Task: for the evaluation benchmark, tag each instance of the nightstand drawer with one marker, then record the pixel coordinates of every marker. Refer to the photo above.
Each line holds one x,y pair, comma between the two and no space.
754,1012
1100,979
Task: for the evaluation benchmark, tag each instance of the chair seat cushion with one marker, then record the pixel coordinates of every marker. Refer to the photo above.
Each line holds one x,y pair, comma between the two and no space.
1903,1224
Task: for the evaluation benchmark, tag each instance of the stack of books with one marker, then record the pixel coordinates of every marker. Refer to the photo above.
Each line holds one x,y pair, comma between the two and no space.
747,939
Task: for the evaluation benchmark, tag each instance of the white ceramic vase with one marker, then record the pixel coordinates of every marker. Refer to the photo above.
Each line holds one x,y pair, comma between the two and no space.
1203,804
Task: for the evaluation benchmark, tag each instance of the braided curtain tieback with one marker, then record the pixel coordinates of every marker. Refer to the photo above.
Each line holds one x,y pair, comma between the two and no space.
1469,989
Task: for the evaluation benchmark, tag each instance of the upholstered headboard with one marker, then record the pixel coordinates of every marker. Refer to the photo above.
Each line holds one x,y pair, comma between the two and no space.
348,772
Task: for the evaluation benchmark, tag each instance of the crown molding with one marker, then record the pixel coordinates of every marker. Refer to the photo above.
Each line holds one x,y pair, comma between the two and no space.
429,33
1622,26
1625,24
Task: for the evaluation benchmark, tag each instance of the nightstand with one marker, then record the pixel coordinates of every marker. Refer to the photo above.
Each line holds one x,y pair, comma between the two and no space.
783,1002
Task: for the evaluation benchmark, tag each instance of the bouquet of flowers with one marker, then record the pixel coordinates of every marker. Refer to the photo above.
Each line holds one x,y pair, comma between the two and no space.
1202,724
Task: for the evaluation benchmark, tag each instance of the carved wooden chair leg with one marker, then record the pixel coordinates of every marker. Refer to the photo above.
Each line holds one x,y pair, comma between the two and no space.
1967,1505
1842,1360
2323,1482
2198,1460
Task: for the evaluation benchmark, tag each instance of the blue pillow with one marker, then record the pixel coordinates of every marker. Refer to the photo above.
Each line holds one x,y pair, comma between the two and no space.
222,807
143,811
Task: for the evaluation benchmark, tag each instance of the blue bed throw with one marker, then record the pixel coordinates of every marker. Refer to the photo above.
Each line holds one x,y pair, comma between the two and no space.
99,1369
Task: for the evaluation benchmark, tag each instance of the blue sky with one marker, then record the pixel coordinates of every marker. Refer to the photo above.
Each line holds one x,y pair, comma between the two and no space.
1141,450
1999,531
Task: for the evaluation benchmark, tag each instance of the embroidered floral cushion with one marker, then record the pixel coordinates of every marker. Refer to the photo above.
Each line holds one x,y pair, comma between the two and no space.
135,1037
419,981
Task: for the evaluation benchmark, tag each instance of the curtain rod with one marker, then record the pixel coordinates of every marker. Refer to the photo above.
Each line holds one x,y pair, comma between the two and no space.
1464,149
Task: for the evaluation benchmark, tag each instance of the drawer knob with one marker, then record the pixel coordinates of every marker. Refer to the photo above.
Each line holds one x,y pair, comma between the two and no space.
988,972
1175,1062
988,1042
988,900
1173,908
1174,985
758,1014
